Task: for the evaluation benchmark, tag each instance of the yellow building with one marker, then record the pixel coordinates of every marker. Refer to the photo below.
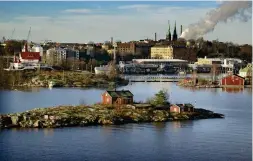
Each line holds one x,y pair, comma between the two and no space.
110,51
208,61
162,52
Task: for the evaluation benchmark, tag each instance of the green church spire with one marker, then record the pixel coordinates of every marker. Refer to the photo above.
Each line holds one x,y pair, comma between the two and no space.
175,32
168,36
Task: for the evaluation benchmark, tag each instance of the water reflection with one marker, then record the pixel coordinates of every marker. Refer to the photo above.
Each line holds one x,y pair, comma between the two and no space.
14,130
176,125
181,124
217,90
232,90
248,90
48,131
160,126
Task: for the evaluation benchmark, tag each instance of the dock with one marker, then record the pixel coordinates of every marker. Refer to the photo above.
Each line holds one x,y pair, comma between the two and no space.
148,78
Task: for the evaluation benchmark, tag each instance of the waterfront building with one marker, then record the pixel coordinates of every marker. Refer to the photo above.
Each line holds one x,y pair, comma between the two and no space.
180,108
115,97
209,61
161,61
232,81
162,52
246,72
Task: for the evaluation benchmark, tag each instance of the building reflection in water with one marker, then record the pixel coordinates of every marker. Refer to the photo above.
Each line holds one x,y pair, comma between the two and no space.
29,89
176,125
160,126
232,90
25,129
181,124
248,90
48,131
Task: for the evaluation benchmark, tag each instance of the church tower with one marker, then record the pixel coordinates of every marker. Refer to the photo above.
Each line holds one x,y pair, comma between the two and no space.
175,33
168,35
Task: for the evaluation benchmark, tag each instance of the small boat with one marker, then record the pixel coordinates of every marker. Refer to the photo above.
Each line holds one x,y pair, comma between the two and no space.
51,84
181,72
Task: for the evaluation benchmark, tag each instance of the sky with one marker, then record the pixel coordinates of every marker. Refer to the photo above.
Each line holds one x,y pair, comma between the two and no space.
81,22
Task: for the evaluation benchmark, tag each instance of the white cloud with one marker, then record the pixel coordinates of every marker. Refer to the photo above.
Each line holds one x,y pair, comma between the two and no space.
128,26
83,10
32,17
136,6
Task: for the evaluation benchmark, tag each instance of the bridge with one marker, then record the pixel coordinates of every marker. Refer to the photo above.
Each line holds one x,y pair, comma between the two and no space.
148,78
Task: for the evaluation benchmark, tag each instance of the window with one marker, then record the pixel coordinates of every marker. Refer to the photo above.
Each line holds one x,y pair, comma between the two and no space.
108,100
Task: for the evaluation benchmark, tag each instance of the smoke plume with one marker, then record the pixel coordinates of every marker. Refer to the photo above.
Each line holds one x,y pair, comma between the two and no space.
227,10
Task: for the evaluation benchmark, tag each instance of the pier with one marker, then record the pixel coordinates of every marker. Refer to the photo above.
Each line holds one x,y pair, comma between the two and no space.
150,78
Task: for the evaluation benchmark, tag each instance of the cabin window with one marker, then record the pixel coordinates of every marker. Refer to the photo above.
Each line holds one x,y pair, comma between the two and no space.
108,100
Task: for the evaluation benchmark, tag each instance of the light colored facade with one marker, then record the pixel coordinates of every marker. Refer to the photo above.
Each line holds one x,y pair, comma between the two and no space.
110,51
231,62
246,72
209,61
57,55
162,52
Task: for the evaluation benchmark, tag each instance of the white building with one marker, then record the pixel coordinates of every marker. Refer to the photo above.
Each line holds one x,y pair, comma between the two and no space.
59,54
231,62
247,71
38,48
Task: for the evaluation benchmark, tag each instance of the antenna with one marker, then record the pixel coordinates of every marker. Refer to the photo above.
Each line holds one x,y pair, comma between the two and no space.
12,33
29,33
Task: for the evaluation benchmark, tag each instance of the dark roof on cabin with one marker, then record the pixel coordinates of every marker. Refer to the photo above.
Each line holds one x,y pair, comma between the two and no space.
184,105
123,93
233,75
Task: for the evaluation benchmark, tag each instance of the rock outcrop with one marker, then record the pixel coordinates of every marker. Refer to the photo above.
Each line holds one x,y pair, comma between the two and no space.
63,116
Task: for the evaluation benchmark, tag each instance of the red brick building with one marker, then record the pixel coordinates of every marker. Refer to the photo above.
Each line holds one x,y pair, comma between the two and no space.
232,81
179,108
30,56
117,97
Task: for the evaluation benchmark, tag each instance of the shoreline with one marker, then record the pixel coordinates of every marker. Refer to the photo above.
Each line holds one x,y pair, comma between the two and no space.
207,86
69,116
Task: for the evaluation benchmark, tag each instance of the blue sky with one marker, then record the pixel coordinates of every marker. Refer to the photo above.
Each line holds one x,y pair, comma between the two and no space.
98,21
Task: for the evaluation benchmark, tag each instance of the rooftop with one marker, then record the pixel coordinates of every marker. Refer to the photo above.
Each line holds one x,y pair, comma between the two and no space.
159,60
246,69
123,93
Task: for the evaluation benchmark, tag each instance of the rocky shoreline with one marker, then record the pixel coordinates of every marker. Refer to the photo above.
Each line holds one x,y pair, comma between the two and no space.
67,116
201,86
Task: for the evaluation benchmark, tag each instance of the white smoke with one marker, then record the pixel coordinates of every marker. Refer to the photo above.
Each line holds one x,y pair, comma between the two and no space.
227,10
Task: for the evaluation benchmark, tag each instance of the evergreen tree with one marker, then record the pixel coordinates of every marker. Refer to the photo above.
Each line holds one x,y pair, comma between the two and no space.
160,98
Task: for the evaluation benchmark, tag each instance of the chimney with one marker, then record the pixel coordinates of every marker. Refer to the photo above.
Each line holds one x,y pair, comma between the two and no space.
181,30
26,47
111,40
155,37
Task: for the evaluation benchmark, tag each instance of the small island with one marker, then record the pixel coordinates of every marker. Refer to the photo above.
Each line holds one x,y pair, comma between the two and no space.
81,79
116,108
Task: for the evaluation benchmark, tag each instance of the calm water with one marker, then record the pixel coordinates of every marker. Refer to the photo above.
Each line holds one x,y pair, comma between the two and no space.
203,140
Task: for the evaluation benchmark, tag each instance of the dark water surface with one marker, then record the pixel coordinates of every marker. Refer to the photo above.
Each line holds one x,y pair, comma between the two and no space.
228,139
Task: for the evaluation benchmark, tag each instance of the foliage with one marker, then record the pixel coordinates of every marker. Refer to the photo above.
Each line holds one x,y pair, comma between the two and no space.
160,98
13,46
113,73
202,81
